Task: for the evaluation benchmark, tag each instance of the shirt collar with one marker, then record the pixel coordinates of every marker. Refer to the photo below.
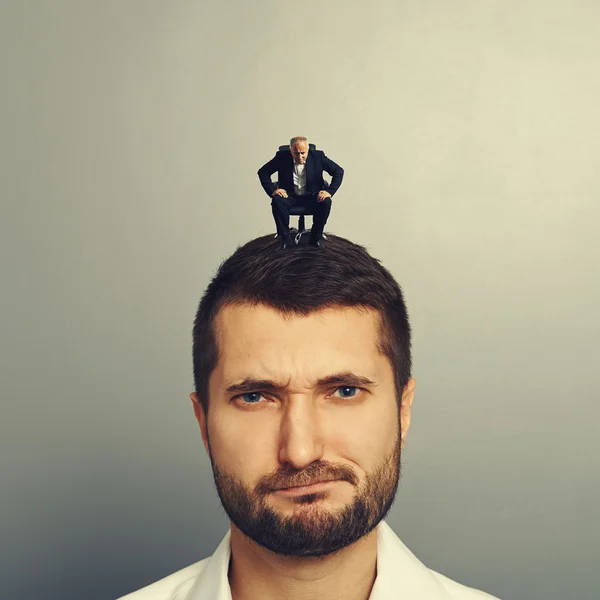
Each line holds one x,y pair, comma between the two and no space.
212,583
399,571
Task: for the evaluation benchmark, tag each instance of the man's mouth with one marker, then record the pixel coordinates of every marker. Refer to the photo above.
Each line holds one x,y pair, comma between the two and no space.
303,490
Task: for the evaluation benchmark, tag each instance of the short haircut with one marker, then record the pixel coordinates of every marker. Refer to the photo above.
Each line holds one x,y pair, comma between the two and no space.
298,139
298,281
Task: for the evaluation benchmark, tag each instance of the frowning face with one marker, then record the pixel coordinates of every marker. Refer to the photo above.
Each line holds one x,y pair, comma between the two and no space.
303,429
300,152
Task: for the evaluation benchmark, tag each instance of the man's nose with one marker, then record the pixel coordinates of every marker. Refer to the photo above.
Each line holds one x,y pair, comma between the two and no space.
301,439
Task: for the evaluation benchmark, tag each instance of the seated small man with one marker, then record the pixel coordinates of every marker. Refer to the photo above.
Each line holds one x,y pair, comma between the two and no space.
300,173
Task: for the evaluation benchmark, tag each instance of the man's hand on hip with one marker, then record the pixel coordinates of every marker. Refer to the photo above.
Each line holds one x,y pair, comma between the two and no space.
280,192
322,195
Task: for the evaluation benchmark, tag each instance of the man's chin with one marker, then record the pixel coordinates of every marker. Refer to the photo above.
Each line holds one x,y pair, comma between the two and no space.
310,515
310,504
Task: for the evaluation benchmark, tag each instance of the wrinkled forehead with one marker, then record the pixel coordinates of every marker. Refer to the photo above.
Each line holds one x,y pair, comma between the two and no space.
300,147
253,338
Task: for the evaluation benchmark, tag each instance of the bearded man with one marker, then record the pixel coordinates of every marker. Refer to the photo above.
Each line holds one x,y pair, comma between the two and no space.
303,395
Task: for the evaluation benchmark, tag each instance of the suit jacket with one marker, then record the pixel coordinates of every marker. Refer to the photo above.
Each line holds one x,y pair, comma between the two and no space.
400,575
316,163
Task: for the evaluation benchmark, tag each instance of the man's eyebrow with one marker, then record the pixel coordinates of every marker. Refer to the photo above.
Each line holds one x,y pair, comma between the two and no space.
251,384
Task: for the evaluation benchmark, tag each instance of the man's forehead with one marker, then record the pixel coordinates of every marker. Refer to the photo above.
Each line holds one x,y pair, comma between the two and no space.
259,339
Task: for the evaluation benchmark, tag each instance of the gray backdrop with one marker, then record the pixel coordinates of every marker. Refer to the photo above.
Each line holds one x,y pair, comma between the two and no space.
131,134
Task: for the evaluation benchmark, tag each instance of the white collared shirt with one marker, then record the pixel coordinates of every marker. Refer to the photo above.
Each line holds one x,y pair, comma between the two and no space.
400,575
300,179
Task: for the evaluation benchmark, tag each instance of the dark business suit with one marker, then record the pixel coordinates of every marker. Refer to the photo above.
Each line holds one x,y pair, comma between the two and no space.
316,163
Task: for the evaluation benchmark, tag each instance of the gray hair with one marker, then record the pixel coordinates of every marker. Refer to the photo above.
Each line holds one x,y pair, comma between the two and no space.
298,139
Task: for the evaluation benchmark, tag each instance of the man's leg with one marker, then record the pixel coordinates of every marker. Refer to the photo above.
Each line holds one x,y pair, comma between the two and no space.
322,210
281,213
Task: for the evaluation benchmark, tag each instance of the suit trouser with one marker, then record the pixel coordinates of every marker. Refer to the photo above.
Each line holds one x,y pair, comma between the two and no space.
281,213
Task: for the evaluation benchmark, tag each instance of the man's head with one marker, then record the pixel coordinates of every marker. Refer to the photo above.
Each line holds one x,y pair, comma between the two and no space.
303,392
299,149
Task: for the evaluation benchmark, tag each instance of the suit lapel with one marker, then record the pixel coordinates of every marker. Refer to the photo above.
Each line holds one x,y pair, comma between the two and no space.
289,172
309,171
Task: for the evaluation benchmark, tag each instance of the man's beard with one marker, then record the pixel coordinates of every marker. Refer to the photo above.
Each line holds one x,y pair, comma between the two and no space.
315,530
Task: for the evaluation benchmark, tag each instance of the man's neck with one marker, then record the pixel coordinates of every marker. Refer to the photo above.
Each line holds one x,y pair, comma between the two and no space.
256,573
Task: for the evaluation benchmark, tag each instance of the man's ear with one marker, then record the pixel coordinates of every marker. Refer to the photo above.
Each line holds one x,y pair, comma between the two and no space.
408,395
201,418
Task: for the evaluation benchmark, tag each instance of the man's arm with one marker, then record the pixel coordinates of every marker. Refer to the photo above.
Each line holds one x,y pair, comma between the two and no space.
264,174
336,172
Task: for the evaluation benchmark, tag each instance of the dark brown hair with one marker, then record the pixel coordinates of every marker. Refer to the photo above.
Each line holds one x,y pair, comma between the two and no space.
300,280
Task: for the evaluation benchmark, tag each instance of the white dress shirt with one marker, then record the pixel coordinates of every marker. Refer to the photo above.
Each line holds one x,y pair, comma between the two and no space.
400,576
300,179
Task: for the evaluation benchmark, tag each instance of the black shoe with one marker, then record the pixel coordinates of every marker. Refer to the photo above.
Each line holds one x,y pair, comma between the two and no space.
316,244
286,242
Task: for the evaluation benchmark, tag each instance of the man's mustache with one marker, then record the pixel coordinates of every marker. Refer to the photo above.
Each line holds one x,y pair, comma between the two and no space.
315,472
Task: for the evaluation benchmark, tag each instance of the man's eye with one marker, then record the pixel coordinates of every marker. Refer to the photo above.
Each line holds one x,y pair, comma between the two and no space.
348,391
251,397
